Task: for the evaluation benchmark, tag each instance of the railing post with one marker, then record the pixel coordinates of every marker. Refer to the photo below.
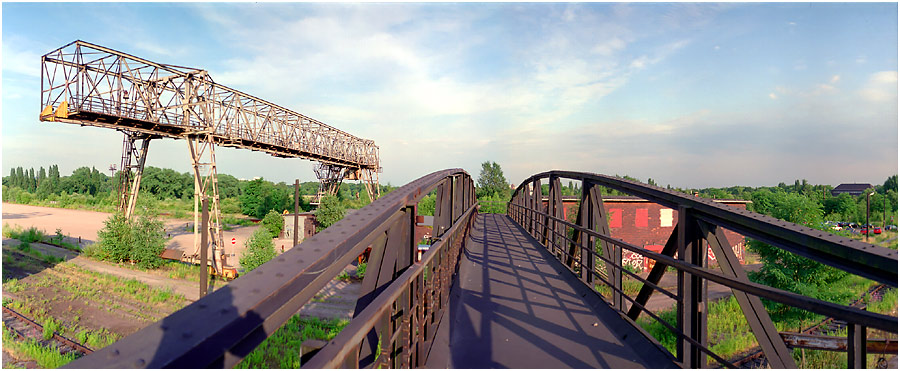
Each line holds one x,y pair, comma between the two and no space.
856,346
537,205
691,291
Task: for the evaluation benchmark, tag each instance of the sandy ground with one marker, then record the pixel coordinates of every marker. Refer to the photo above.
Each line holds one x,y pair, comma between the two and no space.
85,224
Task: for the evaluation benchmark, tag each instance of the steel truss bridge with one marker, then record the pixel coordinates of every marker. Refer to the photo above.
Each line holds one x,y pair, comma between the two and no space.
90,85
518,290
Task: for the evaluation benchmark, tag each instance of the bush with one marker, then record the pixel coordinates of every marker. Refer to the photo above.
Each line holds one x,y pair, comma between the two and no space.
140,240
273,222
260,249
329,212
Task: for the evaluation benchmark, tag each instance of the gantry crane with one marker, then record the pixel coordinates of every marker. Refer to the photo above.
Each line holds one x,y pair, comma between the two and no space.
91,85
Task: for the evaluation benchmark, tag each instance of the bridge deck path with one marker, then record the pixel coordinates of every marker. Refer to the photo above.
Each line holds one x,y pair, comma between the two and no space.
515,306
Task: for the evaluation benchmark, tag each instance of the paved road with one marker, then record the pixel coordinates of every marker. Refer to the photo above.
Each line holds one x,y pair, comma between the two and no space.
511,308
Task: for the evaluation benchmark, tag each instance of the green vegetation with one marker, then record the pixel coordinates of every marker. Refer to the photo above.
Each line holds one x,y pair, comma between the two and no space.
140,240
260,249
330,211
282,349
273,222
46,357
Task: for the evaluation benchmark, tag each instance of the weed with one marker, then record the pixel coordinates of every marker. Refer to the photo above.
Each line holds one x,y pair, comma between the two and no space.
51,326
282,349
13,286
46,357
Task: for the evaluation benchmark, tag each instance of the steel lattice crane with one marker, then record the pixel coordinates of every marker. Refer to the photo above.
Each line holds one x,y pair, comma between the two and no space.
90,85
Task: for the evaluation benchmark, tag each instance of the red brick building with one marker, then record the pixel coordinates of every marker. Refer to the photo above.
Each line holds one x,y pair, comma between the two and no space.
649,225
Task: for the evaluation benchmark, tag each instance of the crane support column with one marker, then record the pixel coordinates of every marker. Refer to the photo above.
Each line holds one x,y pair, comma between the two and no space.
203,158
134,156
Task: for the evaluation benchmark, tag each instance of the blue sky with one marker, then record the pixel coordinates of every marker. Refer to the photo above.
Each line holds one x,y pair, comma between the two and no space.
691,95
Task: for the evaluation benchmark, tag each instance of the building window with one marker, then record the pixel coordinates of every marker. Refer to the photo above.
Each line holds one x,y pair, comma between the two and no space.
666,218
641,218
615,218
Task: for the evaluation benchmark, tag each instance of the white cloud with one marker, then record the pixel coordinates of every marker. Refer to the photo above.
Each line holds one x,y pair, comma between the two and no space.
835,79
773,96
881,88
17,58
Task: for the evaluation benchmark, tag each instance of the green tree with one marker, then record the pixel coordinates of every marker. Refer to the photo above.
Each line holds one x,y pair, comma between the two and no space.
426,206
260,196
140,239
491,180
890,184
273,222
330,211
785,270
260,249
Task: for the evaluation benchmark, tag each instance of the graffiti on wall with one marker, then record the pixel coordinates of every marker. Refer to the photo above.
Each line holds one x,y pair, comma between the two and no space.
642,263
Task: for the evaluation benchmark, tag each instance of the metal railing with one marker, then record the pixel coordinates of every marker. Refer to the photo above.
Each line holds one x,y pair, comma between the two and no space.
700,224
401,304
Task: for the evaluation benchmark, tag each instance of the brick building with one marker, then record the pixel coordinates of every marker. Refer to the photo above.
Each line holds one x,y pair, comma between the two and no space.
649,225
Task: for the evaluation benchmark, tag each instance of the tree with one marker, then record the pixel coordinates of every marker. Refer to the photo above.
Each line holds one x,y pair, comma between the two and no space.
890,184
330,211
785,270
273,222
260,249
140,240
491,180
260,196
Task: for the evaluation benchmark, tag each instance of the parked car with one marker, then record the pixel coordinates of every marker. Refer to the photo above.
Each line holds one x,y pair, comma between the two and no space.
853,225
890,227
864,231
876,230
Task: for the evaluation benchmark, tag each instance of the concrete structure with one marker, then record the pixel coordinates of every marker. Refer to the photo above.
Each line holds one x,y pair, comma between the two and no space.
307,226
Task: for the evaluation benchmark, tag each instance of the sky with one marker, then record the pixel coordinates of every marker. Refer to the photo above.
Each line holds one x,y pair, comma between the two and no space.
690,95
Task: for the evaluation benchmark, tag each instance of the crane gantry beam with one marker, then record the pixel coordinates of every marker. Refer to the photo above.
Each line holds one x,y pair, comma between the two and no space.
91,85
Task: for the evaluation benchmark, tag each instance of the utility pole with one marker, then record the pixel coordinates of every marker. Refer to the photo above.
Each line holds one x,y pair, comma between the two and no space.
296,209
867,215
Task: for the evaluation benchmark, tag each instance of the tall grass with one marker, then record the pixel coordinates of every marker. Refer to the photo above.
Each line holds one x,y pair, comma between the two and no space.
46,357
282,349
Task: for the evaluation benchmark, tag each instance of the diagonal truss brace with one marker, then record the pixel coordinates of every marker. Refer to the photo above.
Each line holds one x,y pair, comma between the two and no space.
203,159
134,156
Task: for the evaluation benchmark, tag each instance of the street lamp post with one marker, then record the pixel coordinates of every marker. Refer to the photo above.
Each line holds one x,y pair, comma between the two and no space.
867,215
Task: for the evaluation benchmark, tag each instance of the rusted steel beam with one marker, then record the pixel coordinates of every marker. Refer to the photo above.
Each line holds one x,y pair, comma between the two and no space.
223,327
869,319
835,343
863,259
88,84
755,313
343,345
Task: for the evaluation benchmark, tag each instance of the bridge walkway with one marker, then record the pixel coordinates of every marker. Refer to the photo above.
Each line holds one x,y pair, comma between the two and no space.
515,306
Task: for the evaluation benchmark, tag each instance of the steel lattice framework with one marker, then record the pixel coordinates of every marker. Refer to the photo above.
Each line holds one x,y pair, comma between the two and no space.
87,84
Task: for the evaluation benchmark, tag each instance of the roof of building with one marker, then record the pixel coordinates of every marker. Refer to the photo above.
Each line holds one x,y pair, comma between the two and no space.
852,187
638,199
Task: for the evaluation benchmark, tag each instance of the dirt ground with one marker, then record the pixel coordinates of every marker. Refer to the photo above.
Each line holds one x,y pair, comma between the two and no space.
89,295
85,224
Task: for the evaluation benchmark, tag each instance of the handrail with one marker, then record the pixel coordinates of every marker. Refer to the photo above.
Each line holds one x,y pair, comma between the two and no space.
336,353
869,319
698,220
857,257
223,327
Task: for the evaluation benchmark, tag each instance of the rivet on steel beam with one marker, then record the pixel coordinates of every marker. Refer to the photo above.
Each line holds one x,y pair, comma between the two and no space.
114,353
140,362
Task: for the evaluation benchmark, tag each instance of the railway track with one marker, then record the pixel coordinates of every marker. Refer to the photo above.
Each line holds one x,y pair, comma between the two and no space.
24,328
756,358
